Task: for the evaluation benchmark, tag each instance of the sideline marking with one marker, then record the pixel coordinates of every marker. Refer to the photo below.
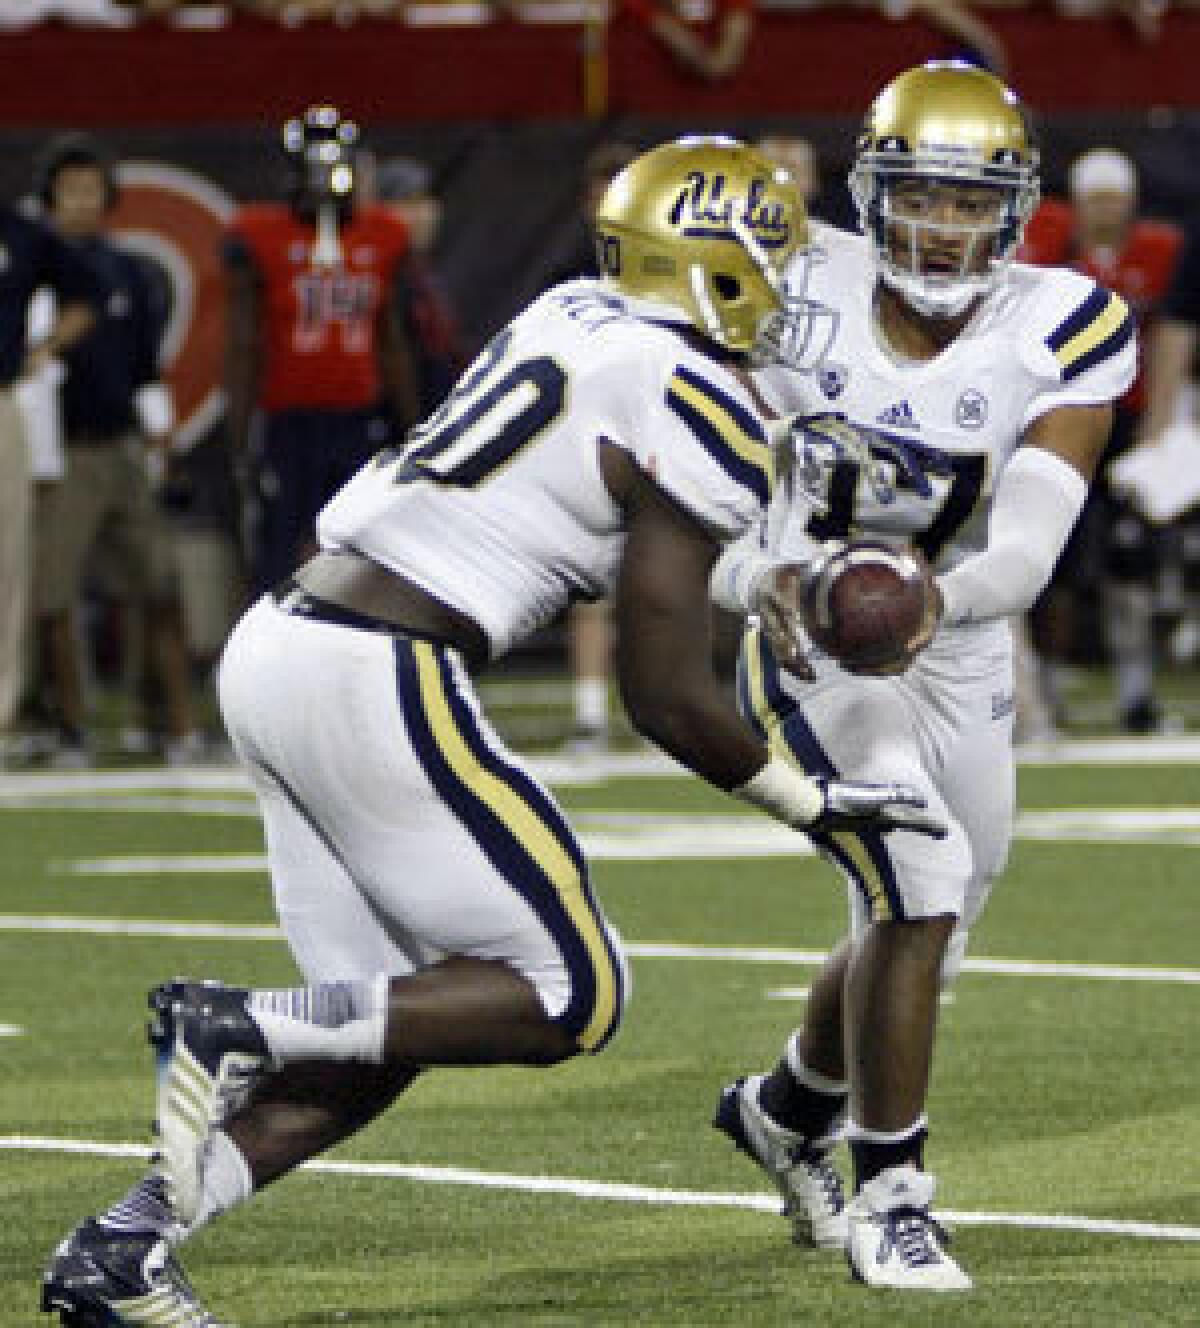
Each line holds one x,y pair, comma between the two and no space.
11,1030
230,931
593,1189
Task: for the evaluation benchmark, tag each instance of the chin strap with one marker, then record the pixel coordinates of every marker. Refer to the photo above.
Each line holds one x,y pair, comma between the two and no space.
914,290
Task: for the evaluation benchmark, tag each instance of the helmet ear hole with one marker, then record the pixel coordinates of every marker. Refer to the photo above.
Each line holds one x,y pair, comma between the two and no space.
727,287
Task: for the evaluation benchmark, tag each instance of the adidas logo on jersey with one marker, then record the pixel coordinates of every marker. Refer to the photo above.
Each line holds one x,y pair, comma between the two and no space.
899,416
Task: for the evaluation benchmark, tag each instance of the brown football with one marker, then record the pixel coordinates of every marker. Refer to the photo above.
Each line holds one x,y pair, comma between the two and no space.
866,604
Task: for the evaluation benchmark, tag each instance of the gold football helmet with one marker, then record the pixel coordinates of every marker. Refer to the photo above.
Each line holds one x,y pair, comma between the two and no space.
707,232
945,177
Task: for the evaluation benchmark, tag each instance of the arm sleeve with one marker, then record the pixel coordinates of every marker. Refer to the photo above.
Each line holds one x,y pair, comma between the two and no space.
1037,501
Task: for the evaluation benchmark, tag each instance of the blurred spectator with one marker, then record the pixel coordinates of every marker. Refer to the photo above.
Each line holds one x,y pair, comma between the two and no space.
1098,232
113,406
1171,347
320,376
1171,359
575,253
111,13
31,257
975,39
16,14
294,12
1144,16
712,44
958,21
405,186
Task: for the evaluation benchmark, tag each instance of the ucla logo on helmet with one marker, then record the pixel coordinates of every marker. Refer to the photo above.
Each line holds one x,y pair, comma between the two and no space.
704,209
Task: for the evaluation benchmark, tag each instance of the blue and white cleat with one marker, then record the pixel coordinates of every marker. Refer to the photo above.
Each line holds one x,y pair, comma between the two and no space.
801,1169
116,1279
209,1052
893,1239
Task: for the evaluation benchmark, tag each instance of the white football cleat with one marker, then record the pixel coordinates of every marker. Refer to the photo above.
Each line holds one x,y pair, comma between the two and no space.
802,1170
209,1052
893,1241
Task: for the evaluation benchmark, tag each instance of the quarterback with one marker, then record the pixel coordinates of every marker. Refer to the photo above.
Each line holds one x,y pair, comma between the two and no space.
430,889
995,381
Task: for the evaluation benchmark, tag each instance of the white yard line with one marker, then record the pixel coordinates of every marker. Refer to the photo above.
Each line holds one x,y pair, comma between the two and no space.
571,771
172,804
11,1030
737,954
72,926
645,1194
652,838
177,864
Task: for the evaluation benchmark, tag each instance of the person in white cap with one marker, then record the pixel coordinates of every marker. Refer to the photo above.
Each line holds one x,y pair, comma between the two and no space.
1098,232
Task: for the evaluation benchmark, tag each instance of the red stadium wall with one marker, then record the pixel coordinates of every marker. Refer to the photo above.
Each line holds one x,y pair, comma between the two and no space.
826,63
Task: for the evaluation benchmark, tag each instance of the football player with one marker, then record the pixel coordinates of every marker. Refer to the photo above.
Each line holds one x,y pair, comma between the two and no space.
430,888
995,381
319,366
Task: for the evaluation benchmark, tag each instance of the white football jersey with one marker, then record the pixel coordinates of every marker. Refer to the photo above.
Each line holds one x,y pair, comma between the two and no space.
496,504
1046,337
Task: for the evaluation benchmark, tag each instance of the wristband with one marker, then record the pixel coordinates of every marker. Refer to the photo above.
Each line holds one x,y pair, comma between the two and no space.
784,792
735,575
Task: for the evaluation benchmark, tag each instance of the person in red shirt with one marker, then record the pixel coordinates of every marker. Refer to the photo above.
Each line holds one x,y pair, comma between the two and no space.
713,48
1099,232
320,376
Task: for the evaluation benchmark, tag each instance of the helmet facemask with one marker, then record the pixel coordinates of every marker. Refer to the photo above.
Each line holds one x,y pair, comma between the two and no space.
320,146
943,230
794,331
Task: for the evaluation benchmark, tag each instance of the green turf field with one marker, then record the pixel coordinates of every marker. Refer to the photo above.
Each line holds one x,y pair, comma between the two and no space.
1076,1096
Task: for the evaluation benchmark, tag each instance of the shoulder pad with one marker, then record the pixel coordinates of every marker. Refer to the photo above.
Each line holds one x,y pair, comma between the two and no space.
726,428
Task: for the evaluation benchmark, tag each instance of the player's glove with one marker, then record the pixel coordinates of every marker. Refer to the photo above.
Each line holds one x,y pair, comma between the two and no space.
776,601
882,807
820,805
818,442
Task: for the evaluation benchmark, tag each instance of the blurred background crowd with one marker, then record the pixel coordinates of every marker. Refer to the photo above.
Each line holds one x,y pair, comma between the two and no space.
237,260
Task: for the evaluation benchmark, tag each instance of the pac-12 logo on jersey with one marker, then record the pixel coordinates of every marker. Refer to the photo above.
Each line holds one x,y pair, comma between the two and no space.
971,410
832,379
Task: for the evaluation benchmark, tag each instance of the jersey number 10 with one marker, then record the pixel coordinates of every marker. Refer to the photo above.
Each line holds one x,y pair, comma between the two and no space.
486,420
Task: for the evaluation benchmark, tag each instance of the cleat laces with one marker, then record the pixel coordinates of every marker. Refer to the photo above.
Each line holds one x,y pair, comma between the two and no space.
916,1237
